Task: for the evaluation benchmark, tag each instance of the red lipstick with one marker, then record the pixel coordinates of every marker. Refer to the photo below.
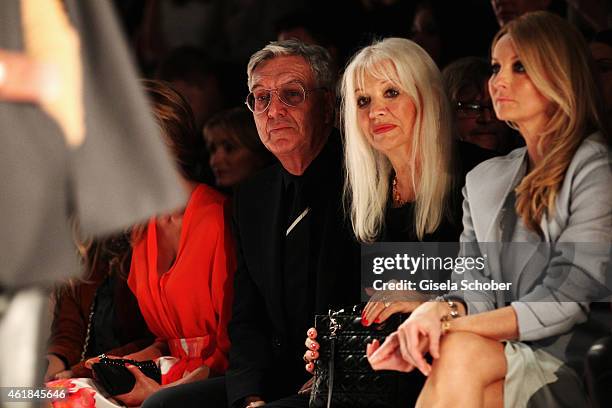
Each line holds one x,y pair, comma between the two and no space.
383,128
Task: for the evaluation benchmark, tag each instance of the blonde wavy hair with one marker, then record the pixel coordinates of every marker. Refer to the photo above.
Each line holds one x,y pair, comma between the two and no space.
556,58
368,172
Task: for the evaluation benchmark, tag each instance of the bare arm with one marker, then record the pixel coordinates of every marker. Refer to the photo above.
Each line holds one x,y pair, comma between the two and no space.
200,373
422,331
498,324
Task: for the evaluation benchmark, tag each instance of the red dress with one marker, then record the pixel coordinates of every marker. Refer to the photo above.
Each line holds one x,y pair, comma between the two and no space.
189,305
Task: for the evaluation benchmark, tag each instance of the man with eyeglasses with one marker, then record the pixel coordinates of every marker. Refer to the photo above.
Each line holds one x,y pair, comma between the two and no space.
475,123
296,255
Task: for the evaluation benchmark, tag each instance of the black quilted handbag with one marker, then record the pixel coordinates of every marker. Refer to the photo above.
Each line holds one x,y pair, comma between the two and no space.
116,379
343,377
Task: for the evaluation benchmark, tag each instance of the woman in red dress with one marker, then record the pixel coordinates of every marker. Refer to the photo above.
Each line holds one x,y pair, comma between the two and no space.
182,269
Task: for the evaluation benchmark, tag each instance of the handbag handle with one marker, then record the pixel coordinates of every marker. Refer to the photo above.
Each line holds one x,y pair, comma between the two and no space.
330,379
334,326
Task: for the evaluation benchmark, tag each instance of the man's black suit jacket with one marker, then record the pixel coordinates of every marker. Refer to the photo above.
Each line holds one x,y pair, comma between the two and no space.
267,348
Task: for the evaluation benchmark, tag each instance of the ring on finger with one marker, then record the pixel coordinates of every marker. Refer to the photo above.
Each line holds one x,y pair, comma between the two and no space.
387,304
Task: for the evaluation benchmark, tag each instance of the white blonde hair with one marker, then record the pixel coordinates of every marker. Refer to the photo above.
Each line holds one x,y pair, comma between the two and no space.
368,172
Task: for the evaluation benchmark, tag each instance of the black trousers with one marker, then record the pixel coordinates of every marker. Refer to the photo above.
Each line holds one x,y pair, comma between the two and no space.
209,394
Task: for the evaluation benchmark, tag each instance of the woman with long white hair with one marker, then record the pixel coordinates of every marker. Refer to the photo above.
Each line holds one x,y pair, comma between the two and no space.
404,170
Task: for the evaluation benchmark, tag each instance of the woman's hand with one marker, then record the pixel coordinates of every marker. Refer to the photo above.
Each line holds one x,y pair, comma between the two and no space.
307,387
143,388
383,304
55,366
62,375
387,356
312,354
90,362
421,333
23,79
405,348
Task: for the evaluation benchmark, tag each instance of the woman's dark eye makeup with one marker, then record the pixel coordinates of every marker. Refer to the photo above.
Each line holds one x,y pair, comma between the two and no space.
362,101
517,66
391,93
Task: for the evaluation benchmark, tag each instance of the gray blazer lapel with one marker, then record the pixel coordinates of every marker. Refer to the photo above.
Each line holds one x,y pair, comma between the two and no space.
506,181
487,201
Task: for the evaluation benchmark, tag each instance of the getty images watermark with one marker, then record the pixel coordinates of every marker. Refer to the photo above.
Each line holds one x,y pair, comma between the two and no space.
417,270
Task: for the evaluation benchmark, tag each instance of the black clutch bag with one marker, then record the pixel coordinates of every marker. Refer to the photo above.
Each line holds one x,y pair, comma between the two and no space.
116,379
344,378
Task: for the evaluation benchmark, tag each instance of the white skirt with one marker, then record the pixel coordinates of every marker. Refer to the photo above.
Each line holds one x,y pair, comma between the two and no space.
537,379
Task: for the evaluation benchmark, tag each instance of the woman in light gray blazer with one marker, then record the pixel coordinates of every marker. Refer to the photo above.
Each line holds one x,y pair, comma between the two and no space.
553,202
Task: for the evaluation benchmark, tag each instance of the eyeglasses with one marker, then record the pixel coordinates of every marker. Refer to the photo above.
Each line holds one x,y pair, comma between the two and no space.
292,94
472,109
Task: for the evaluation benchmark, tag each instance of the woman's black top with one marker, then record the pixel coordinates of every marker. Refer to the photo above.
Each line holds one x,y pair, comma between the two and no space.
400,222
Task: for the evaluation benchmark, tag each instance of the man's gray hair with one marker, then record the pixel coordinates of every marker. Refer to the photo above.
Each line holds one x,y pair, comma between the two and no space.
317,57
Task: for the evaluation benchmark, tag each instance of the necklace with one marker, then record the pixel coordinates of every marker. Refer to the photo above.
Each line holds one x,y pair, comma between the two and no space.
397,198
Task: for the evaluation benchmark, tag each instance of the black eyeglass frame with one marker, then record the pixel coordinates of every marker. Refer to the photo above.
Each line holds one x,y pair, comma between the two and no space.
473,109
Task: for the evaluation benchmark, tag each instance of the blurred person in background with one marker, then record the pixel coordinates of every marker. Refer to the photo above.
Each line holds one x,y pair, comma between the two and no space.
507,10
601,50
234,147
76,143
197,78
475,122
447,30
95,313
